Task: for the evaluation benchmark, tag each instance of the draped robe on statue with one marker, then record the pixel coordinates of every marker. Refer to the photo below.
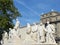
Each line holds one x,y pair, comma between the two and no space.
41,30
28,40
30,36
5,38
34,34
50,31
13,38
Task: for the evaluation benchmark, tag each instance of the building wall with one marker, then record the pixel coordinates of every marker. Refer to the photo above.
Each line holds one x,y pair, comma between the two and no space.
58,29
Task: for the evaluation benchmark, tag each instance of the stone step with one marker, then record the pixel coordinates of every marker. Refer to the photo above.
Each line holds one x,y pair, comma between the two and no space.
43,44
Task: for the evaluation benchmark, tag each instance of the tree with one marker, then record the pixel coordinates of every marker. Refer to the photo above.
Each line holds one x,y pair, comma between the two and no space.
8,12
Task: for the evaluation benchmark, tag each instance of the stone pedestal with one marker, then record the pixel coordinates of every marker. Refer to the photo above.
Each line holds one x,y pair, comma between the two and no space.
43,44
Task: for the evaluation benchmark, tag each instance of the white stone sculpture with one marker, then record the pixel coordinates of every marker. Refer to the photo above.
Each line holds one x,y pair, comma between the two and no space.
41,32
5,34
34,32
5,38
17,25
33,35
28,28
13,37
50,31
28,40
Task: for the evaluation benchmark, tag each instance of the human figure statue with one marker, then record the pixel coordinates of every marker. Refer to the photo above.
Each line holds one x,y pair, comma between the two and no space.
28,28
28,40
41,32
13,37
17,25
13,34
50,31
5,38
5,34
10,33
34,32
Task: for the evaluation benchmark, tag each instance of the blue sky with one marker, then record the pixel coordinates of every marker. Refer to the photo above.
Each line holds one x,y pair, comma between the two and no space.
32,9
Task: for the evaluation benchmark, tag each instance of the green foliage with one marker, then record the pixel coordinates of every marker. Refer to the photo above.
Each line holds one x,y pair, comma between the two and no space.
5,23
8,12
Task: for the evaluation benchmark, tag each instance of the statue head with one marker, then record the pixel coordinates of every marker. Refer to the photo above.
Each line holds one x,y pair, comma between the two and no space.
16,19
17,25
28,25
10,29
4,31
48,22
41,23
34,23
17,22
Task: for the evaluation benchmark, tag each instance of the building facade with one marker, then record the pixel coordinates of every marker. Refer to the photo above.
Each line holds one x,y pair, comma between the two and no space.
54,18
